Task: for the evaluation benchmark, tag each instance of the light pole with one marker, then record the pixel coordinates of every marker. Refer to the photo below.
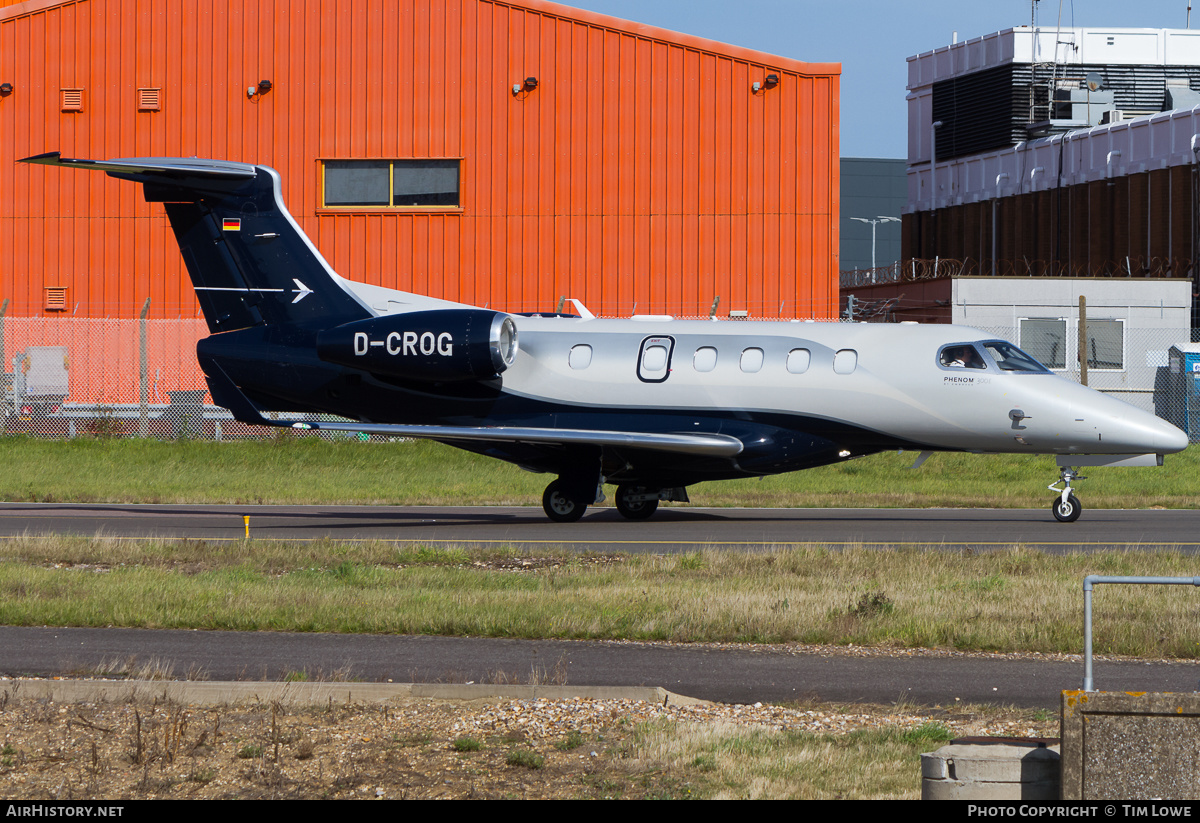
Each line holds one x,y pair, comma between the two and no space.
875,222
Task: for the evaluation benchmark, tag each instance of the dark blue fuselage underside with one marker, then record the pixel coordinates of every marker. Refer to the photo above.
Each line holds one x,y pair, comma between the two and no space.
277,368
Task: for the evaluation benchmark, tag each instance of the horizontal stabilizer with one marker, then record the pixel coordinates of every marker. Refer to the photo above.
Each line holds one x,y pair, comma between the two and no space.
168,167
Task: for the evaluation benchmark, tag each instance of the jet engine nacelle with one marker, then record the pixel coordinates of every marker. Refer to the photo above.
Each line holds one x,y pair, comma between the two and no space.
440,345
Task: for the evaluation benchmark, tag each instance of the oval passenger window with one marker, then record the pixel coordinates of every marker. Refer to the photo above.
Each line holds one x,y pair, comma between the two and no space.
845,361
752,360
580,356
705,359
798,360
654,359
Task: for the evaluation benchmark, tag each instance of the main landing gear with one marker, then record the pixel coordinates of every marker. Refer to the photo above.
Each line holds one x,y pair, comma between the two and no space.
565,503
1066,507
637,502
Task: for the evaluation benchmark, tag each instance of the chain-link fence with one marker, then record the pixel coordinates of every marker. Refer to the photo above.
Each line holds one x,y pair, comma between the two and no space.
68,377
915,270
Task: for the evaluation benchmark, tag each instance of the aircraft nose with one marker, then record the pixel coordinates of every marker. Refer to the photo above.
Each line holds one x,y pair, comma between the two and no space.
1171,438
1145,432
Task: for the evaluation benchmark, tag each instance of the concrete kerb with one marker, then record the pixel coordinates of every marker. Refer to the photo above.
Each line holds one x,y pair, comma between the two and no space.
216,693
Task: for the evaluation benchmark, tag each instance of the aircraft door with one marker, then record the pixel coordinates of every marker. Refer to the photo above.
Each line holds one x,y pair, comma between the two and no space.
654,359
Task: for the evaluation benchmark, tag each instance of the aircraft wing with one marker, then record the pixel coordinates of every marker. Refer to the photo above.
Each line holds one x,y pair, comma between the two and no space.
226,393
708,445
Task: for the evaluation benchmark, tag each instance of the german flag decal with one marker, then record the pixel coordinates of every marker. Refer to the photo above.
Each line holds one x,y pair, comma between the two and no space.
231,224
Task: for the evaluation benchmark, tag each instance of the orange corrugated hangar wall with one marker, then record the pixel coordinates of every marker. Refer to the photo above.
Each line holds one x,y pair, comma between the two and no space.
642,172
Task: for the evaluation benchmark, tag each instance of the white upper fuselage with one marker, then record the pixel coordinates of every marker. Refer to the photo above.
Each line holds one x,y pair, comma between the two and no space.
888,378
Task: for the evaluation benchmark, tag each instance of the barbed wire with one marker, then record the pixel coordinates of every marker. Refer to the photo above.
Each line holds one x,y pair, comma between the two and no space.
916,269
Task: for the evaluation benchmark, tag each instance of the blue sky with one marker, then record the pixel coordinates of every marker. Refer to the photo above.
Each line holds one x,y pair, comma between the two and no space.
872,39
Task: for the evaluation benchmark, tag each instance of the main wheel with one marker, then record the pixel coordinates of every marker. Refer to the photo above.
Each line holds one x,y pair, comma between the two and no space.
560,506
634,509
1067,511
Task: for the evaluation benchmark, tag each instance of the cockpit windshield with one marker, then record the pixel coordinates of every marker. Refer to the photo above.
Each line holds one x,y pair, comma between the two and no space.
1009,358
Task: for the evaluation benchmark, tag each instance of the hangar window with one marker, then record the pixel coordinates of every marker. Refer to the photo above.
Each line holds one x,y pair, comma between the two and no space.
1106,344
1046,340
391,183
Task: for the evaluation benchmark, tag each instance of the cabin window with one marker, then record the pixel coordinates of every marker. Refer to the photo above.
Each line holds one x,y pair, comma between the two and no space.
845,361
654,360
705,359
1045,338
391,183
752,360
580,356
798,361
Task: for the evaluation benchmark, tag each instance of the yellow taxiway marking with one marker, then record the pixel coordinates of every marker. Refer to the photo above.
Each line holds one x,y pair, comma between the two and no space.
714,543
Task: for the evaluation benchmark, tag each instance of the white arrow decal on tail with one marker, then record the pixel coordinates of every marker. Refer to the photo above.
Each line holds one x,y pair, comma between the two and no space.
302,291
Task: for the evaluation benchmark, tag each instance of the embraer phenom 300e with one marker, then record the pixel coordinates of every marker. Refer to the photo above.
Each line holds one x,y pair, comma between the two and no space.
651,404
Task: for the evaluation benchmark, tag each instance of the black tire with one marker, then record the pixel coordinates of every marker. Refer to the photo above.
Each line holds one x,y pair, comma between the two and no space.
1067,512
634,510
561,507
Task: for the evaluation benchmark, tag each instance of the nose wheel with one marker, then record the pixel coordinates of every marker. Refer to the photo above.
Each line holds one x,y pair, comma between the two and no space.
1066,507
1066,510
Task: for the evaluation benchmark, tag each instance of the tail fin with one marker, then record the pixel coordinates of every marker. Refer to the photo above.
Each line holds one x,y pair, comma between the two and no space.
249,262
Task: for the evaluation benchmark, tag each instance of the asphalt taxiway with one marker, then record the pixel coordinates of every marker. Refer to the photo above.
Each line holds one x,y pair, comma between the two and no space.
725,673
670,530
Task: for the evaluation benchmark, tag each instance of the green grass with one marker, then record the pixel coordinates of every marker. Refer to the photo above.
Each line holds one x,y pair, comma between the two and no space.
293,470
728,761
1005,600
525,758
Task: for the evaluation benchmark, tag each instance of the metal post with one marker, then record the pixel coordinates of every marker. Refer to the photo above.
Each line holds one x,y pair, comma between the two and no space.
1090,581
143,411
3,311
1083,341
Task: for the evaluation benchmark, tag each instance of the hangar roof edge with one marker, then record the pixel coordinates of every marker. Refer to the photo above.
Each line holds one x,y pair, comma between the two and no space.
20,9
667,35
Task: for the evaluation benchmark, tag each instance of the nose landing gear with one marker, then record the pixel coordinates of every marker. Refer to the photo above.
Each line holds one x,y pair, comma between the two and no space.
1066,507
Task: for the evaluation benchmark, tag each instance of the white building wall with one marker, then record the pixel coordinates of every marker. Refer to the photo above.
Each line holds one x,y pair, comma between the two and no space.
1154,314
1103,152
1156,141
